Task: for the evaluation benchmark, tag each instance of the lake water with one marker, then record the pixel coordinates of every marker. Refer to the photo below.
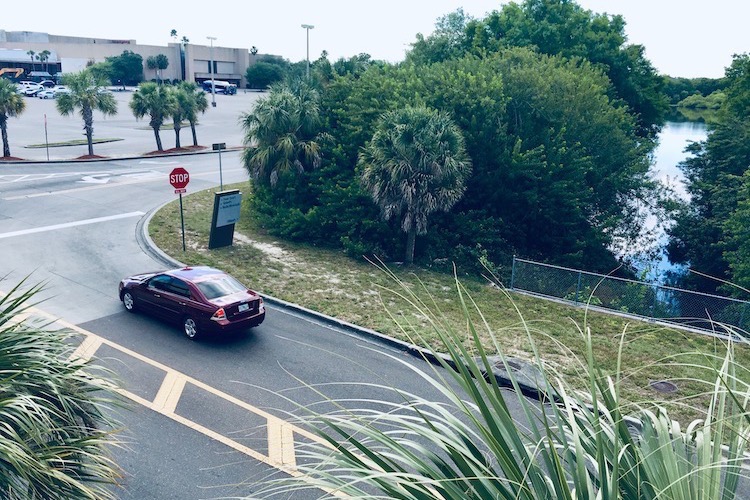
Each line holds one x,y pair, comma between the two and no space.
673,139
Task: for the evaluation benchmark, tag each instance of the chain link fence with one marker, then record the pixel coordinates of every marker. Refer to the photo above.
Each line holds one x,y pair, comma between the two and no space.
648,300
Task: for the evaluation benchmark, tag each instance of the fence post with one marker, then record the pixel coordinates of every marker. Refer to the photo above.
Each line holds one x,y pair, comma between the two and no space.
578,286
513,273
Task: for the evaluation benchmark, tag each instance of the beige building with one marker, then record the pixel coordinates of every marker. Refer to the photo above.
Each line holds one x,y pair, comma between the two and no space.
69,54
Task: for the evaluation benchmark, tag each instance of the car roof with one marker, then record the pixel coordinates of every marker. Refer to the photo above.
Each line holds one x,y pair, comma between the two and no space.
196,273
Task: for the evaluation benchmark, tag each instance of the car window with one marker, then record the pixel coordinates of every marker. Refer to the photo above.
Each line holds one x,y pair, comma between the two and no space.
179,287
160,282
220,286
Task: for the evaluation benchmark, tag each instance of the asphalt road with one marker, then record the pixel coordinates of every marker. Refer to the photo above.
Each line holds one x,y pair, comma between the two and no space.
206,419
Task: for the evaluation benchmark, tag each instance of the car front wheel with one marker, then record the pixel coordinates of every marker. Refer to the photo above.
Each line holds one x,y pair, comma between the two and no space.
128,301
190,327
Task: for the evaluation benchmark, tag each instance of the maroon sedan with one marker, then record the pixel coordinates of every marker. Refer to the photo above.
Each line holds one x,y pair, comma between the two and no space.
203,299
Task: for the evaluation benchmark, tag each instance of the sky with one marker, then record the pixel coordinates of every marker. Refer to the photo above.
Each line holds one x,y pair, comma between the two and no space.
687,38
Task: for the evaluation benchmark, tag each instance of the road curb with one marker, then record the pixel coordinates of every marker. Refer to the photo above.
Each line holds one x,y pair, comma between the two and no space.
526,374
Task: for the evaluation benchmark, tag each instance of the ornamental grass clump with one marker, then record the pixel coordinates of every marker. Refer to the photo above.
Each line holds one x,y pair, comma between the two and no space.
54,434
568,443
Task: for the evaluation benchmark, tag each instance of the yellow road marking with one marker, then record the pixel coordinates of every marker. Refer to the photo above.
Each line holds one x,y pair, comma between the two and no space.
281,434
169,393
88,347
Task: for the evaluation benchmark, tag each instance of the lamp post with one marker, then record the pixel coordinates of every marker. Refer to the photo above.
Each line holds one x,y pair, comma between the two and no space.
308,27
213,86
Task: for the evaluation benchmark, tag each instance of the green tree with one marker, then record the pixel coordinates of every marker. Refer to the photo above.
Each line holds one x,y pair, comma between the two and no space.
263,74
709,232
556,27
157,102
162,63
197,103
54,441
152,64
281,133
87,94
102,71
11,105
415,165
127,68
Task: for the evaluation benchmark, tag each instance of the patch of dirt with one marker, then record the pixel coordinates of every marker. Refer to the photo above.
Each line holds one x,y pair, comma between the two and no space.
10,158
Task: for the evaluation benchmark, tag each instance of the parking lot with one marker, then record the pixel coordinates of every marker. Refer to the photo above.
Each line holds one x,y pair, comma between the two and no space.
28,135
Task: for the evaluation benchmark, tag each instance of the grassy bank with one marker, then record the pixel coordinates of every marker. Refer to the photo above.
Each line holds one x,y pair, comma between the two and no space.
358,292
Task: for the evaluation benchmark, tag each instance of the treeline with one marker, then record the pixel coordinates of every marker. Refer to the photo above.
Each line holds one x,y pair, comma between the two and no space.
711,230
559,118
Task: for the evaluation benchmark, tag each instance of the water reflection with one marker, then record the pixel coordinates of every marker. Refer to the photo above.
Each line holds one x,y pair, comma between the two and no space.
673,139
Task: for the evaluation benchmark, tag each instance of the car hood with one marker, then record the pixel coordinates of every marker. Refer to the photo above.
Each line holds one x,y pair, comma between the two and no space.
140,278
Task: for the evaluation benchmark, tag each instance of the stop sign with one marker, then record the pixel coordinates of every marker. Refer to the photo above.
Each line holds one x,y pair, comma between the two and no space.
179,178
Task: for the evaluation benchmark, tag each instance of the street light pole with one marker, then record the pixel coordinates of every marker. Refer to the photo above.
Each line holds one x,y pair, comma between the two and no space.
308,27
213,86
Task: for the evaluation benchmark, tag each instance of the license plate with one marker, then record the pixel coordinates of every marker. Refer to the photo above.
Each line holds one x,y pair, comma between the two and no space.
244,307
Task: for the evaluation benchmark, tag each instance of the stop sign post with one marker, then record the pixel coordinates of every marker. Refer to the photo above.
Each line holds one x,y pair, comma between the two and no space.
179,178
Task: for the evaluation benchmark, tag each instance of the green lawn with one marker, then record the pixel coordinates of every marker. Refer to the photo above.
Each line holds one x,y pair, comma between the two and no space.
356,291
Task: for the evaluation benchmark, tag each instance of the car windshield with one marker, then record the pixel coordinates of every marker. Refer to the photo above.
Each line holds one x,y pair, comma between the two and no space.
220,286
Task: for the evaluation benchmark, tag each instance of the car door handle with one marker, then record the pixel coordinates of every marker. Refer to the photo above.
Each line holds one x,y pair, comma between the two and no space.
182,303
157,295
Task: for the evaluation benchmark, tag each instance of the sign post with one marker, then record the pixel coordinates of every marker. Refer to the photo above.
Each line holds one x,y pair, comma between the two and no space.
179,178
218,146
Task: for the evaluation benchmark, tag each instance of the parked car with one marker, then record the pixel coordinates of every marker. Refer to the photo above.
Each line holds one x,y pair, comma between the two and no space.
203,299
46,94
60,89
32,89
47,83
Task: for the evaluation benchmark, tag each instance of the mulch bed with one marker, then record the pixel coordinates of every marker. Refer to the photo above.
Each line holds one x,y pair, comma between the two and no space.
185,149
10,158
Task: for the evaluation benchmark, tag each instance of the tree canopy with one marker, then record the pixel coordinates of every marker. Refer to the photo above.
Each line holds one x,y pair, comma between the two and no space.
126,68
556,27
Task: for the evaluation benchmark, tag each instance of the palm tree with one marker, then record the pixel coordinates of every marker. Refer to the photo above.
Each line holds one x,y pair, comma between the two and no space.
54,442
156,101
31,54
191,107
183,103
415,164
11,104
43,57
281,133
86,94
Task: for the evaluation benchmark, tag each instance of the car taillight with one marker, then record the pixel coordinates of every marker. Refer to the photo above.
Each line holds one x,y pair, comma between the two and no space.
219,315
261,306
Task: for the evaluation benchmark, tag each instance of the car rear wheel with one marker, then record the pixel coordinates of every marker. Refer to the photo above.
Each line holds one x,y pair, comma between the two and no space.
128,301
190,327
